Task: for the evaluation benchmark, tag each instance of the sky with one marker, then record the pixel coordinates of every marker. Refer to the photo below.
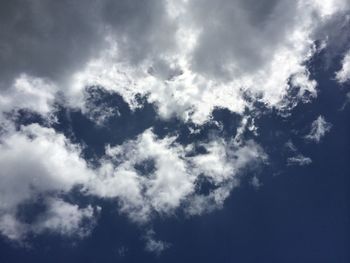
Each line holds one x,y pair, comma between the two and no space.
175,131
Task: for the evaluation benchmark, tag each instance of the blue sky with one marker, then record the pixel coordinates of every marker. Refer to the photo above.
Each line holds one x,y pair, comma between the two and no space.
174,131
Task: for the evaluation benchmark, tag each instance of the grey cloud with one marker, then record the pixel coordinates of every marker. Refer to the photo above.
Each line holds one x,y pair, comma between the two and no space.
143,28
46,38
343,75
55,39
153,245
245,33
335,34
52,39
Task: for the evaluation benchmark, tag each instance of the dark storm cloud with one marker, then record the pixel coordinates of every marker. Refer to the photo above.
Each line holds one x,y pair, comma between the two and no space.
51,39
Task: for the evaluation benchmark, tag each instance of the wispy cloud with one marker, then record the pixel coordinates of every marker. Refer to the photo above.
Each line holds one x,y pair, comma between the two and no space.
319,128
343,75
299,160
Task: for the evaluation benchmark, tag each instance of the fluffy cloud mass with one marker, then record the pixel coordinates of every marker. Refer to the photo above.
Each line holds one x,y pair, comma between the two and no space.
186,58
147,176
35,161
164,50
151,175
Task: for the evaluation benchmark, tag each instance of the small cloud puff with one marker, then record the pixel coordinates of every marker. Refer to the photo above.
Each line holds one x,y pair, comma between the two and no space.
153,245
319,128
299,160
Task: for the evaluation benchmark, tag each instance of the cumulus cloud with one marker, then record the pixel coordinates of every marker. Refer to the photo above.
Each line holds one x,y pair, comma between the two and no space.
121,45
49,41
150,175
221,166
147,176
124,174
28,93
36,160
66,219
276,39
319,128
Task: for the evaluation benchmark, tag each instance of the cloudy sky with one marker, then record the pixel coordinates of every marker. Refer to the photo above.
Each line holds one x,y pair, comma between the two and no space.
174,131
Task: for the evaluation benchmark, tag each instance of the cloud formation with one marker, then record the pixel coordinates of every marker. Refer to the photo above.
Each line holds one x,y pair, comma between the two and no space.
187,58
153,245
319,128
343,75
121,45
147,176
155,176
35,161
299,160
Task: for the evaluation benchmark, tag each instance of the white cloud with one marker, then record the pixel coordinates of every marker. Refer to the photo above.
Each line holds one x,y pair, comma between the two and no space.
35,160
223,160
346,102
66,219
343,75
319,128
153,245
29,93
173,177
290,146
299,160
147,176
160,190
255,182
221,165
206,203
